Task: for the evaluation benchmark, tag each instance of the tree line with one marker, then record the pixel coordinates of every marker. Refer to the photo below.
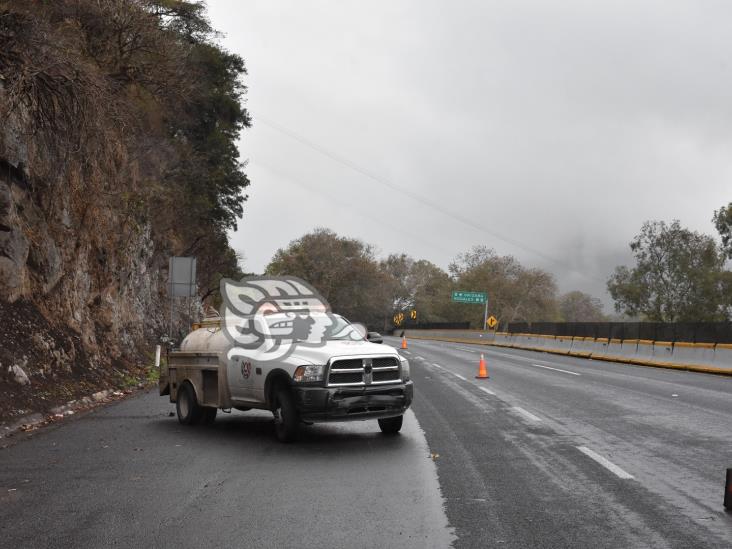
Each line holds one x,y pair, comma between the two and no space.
679,275
369,289
130,106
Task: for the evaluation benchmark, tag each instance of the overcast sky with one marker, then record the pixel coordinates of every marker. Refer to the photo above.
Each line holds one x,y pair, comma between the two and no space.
558,126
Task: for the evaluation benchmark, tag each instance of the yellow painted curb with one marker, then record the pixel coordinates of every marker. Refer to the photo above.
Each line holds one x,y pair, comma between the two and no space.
694,345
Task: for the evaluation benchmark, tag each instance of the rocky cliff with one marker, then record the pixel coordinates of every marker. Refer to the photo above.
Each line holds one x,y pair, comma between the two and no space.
118,123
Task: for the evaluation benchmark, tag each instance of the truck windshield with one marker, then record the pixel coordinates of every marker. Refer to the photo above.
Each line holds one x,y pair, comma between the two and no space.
343,330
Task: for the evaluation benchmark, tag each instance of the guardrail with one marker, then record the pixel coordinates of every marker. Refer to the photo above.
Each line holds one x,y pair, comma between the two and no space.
709,358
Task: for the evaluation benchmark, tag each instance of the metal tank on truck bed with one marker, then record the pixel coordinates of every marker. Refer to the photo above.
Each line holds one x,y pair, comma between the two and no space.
344,377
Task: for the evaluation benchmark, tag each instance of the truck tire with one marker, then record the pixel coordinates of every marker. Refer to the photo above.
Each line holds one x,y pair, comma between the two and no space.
286,416
208,415
391,425
189,412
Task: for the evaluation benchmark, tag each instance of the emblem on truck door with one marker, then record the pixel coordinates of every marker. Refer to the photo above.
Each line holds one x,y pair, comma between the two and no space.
246,369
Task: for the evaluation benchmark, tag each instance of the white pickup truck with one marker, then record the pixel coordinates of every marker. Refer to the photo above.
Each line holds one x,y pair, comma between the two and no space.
345,378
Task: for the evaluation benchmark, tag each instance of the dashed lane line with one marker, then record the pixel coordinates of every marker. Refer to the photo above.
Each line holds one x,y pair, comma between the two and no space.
514,357
556,369
467,350
523,359
526,414
606,463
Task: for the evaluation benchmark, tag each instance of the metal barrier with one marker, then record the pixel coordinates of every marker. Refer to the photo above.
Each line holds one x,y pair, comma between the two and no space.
699,357
643,350
693,353
663,351
690,332
628,349
722,355
600,346
561,344
582,346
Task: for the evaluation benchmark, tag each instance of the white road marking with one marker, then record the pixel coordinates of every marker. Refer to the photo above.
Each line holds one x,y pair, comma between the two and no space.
461,377
517,357
487,391
557,370
436,365
674,395
419,358
607,464
526,414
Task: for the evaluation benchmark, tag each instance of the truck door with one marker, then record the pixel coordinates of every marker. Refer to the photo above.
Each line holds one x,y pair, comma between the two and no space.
240,374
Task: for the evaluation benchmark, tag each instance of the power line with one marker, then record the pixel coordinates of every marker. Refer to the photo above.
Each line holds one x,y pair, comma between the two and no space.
349,205
415,196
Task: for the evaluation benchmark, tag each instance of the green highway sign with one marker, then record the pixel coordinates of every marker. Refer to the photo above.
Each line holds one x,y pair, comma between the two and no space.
470,297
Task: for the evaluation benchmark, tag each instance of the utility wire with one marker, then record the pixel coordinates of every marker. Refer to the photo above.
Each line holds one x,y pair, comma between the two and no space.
415,196
348,205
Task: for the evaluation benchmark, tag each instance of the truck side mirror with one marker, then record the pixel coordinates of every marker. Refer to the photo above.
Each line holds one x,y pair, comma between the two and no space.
374,337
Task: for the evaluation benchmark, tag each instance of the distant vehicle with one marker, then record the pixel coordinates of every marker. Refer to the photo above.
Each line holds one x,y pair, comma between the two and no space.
343,379
374,337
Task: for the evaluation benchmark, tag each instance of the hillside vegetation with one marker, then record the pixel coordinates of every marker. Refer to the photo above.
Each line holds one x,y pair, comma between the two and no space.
118,129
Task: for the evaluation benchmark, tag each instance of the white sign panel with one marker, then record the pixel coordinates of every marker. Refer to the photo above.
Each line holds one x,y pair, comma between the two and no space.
182,276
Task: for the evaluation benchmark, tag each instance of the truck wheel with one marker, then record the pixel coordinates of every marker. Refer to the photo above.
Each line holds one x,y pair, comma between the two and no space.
189,412
208,415
391,425
286,416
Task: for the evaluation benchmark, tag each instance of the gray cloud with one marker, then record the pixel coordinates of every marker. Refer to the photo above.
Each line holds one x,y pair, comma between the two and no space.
563,127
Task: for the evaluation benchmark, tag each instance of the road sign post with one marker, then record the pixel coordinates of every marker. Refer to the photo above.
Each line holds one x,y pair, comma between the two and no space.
181,283
469,297
460,296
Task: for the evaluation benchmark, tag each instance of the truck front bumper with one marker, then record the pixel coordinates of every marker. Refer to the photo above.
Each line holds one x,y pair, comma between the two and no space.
353,403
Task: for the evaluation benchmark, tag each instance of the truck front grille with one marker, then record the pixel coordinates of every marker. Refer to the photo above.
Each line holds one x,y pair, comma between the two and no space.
363,371
346,377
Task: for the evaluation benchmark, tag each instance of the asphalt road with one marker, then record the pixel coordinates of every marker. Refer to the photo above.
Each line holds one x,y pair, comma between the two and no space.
549,452
554,451
131,476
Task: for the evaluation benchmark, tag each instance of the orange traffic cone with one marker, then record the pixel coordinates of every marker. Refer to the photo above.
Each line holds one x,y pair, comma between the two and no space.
404,342
482,370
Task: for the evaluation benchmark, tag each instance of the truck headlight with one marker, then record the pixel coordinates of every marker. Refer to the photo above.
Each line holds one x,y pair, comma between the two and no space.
308,374
405,368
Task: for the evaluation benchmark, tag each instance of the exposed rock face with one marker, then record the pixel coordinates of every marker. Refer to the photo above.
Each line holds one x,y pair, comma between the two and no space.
118,130
14,247
81,300
19,374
